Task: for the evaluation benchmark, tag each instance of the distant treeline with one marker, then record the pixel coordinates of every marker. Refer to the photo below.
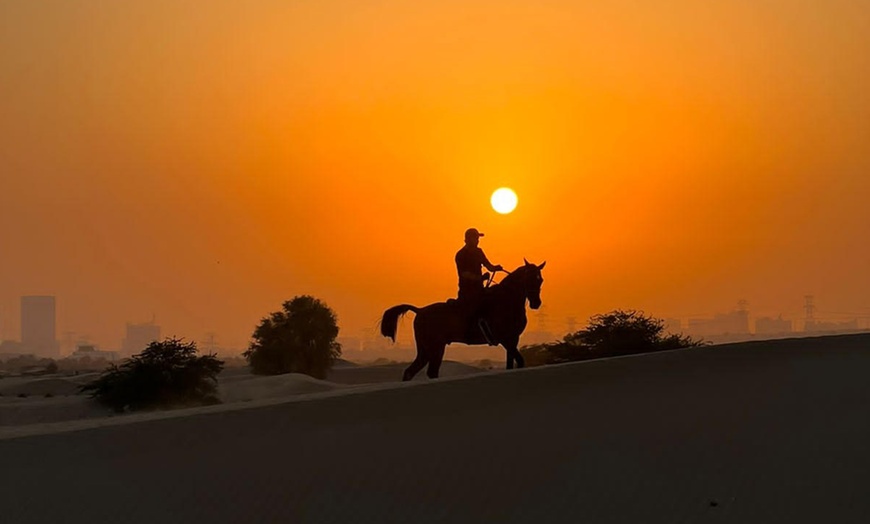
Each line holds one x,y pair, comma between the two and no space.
33,365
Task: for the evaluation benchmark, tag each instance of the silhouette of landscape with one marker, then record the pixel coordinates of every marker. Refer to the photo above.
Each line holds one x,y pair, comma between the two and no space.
759,431
434,262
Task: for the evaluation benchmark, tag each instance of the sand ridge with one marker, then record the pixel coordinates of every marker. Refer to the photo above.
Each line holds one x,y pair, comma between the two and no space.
773,432
66,410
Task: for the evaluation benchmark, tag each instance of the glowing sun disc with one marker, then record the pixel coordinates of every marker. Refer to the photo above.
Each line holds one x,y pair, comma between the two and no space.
503,200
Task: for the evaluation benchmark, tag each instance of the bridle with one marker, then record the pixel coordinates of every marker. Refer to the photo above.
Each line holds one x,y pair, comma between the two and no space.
489,281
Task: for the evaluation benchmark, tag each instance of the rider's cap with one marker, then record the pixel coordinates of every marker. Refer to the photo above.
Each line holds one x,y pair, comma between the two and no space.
472,233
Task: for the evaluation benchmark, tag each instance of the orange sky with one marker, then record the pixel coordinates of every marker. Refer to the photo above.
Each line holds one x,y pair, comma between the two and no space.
204,161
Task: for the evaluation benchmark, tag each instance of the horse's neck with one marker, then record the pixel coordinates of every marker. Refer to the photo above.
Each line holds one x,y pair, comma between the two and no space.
512,294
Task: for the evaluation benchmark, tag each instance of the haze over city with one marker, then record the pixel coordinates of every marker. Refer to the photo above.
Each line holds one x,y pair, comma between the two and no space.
203,165
246,249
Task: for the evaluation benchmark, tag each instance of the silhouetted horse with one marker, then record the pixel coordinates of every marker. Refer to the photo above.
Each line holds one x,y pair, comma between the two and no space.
442,323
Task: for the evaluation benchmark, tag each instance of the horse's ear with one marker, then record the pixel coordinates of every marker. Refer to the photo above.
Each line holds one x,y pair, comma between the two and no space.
526,261
542,265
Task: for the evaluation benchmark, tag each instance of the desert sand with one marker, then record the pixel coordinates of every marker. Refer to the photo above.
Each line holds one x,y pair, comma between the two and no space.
755,432
53,399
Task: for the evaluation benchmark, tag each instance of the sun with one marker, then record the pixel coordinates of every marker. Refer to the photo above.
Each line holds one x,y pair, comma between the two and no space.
504,200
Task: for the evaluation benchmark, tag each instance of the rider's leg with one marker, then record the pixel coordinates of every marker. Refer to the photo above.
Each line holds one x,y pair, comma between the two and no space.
487,333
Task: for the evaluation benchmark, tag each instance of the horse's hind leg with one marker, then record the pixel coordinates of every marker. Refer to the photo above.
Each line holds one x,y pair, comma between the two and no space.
436,353
415,366
518,358
509,358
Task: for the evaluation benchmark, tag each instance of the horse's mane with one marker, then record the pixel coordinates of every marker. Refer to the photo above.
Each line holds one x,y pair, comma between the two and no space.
514,275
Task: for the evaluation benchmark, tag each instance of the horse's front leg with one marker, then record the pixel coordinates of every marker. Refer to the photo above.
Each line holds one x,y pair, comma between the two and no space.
513,354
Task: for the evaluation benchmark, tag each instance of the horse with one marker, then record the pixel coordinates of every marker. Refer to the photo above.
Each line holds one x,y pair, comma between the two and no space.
442,323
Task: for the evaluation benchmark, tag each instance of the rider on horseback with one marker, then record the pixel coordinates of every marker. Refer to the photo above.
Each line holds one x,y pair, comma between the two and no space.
469,260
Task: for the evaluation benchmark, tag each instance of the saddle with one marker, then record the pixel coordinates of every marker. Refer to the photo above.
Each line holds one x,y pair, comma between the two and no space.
476,328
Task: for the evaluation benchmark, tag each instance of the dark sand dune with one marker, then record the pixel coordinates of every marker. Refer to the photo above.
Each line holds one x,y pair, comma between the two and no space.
39,386
342,364
30,400
753,433
393,373
247,387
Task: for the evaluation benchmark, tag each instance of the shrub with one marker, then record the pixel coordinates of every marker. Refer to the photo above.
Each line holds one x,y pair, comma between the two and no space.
612,334
166,374
298,339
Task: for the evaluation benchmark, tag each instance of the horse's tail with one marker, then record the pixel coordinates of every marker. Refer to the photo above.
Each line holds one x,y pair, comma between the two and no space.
390,321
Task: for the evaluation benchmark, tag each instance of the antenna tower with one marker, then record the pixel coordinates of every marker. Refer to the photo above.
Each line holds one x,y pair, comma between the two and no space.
542,319
572,324
810,308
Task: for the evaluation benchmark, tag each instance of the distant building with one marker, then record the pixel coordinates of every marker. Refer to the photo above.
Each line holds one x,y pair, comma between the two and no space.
733,323
773,326
38,318
819,326
139,336
674,326
351,347
91,351
10,349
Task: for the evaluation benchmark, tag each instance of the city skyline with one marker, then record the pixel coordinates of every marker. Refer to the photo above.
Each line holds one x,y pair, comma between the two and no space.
205,165
136,334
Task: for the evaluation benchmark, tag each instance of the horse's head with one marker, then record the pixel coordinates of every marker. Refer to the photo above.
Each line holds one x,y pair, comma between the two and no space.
531,279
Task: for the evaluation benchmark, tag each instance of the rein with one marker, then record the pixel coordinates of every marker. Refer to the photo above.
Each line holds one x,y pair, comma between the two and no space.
492,277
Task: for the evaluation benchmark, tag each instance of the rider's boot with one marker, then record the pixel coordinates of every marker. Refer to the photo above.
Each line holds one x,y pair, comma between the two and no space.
487,334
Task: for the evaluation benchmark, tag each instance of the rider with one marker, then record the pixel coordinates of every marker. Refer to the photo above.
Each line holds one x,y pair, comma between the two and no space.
469,260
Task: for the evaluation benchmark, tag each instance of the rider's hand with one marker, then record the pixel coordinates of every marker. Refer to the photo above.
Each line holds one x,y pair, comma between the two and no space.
498,268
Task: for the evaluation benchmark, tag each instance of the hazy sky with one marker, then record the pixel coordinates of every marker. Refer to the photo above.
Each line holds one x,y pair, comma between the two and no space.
204,161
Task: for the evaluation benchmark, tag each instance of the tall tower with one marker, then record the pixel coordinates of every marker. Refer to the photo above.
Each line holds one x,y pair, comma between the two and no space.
541,320
38,319
810,309
139,336
210,343
741,324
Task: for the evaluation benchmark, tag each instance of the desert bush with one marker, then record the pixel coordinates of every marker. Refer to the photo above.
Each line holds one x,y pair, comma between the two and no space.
298,339
620,332
166,374
485,363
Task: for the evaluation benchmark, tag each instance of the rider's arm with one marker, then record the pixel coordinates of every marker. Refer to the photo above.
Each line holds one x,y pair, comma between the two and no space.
489,265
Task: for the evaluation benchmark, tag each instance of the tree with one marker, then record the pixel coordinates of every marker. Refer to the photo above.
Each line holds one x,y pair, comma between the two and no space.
611,334
166,374
298,339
